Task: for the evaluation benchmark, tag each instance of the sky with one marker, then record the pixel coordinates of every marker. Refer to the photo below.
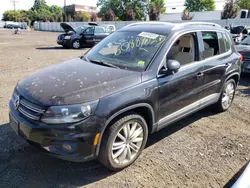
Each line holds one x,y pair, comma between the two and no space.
27,4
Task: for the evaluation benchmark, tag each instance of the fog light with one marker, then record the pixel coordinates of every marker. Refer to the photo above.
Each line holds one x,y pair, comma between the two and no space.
67,147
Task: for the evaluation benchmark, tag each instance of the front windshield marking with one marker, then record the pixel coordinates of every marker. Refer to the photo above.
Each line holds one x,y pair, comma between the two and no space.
128,50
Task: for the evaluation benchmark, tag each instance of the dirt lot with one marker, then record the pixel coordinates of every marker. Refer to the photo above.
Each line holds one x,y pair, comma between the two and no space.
204,150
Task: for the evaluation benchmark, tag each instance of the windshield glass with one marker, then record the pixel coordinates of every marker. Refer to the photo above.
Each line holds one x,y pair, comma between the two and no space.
127,50
79,29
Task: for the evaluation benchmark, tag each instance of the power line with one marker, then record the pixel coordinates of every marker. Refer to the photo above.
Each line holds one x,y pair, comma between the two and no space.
14,3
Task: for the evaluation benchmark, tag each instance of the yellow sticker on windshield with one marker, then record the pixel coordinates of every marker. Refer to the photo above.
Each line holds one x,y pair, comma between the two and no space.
140,63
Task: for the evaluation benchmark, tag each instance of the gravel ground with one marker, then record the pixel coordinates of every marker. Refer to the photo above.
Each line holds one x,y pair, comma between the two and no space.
203,150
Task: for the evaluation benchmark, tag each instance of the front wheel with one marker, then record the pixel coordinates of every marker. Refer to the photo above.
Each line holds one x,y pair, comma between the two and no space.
123,142
227,96
76,44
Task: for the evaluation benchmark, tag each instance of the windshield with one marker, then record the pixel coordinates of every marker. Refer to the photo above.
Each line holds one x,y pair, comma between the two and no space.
79,30
127,50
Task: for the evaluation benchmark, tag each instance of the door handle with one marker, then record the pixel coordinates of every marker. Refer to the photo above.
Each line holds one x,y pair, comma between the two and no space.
199,75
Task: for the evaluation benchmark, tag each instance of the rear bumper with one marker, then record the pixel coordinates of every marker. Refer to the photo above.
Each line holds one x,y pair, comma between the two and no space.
245,67
63,143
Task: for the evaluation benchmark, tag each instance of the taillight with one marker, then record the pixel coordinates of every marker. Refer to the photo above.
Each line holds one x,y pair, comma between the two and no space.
241,58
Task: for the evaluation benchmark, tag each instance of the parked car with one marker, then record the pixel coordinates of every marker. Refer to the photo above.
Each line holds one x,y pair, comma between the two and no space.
15,26
136,81
86,35
241,178
244,49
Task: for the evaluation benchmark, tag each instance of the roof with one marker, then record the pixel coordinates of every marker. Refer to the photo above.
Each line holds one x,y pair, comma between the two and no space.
165,28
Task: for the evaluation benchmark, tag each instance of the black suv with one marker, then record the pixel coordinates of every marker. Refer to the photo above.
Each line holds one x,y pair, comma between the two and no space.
134,82
82,36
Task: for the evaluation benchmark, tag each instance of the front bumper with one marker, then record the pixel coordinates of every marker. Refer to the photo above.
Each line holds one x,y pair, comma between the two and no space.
64,42
60,141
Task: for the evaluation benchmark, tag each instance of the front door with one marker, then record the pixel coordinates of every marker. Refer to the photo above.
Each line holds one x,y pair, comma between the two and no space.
88,37
181,91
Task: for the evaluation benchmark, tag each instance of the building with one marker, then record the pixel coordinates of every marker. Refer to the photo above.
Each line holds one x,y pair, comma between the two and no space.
71,9
177,6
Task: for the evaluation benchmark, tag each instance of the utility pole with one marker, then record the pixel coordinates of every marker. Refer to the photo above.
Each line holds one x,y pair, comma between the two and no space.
65,17
14,4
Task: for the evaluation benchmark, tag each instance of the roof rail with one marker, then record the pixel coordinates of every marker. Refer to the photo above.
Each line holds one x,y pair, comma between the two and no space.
148,22
196,23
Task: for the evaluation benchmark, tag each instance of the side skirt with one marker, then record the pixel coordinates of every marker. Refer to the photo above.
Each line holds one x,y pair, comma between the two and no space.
190,109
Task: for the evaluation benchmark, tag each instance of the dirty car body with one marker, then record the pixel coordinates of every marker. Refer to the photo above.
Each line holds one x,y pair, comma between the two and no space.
69,109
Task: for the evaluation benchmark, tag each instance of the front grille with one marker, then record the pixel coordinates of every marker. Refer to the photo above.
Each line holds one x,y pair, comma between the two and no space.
26,108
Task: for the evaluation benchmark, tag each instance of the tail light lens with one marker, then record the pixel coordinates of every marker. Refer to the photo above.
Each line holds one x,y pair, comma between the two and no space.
241,58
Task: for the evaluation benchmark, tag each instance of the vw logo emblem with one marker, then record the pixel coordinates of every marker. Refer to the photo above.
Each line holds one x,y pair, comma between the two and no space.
17,102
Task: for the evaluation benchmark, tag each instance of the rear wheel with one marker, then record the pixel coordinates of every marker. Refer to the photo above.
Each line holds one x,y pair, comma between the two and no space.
227,96
76,44
123,142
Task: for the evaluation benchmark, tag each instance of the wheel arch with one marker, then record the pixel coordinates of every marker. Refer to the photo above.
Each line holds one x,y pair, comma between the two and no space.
143,109
235,76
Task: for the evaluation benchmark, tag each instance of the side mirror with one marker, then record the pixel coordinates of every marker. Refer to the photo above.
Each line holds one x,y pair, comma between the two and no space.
173,65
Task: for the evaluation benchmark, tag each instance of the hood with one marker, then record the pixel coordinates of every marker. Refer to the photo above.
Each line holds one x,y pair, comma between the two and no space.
75,81
241,48
67,28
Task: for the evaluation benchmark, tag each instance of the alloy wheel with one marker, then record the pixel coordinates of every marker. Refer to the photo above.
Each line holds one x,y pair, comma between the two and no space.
76,44
127,142
228,95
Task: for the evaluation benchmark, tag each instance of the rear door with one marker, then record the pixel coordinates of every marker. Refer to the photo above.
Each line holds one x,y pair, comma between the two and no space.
216,59
100,33
88,37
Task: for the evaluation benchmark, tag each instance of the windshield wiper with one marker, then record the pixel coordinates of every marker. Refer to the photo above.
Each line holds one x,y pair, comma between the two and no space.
99,62
85,58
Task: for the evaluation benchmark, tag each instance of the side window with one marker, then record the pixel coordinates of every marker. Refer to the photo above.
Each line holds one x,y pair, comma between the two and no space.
99,30
222,43
211,44
226,41
184,49
89,31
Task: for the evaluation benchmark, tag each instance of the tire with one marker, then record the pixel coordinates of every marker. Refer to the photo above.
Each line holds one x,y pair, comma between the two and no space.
76,44
110,149
226,94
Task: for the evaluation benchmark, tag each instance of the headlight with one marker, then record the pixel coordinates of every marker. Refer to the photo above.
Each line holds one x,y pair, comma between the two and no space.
67,37
69,113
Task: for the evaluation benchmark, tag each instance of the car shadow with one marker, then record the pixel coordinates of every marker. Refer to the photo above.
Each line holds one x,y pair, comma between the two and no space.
35,168
52,48
172,128
57,48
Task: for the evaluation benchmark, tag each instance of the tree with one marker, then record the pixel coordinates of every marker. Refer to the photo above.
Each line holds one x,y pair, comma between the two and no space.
93,17
120,8
230,10
81,16
199,5
109,15
130,15
40,4
244,4
156,7
186,15
9,15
